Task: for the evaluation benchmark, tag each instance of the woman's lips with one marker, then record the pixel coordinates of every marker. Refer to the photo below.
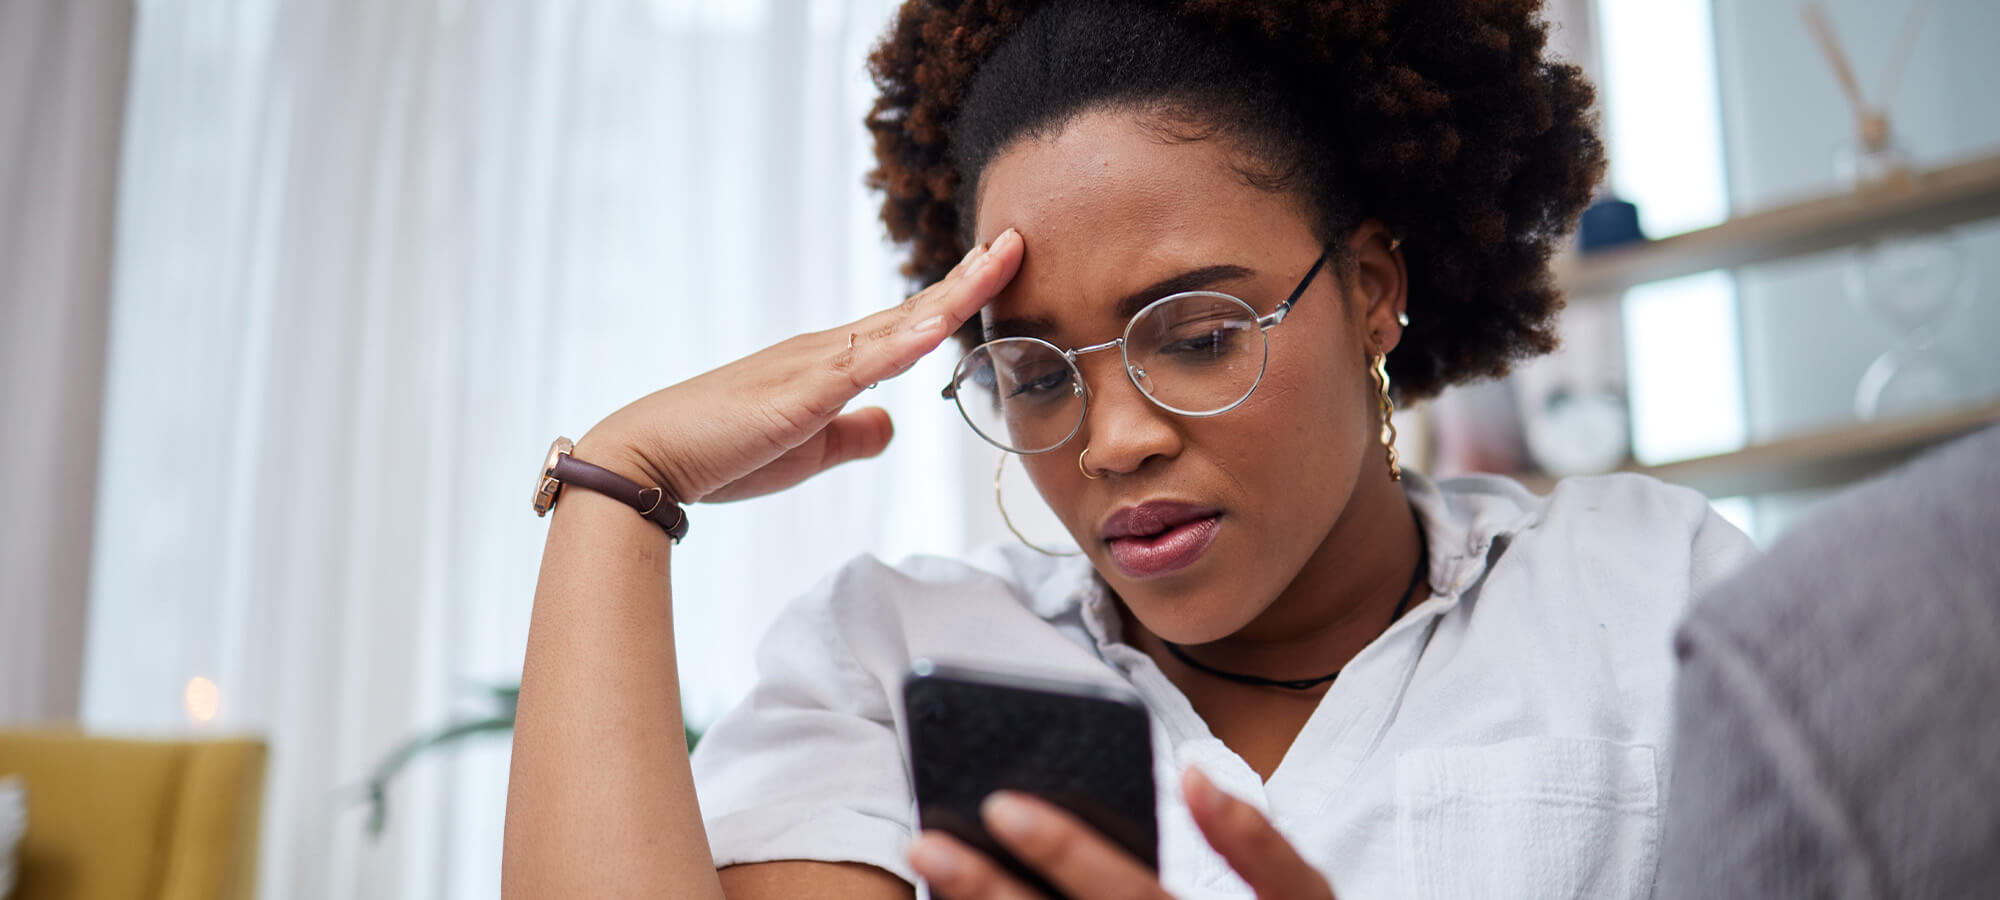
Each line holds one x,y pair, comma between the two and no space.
1169,551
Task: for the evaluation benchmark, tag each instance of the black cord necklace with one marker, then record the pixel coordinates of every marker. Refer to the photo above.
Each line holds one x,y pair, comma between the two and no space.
1300,684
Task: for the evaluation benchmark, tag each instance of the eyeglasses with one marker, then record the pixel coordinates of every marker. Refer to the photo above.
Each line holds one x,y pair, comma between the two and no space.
1197,353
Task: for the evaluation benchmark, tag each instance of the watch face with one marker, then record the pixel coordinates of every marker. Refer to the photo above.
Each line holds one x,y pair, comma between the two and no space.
546,485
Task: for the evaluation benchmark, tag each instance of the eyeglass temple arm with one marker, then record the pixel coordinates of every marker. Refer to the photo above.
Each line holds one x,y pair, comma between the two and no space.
1284,309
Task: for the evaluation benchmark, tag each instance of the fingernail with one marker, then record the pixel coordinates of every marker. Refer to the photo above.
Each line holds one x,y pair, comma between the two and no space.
1203,798
932,860
1009,814
990,246
930,324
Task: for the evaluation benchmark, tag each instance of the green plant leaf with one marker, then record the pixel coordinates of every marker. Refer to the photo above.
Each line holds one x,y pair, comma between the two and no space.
375,792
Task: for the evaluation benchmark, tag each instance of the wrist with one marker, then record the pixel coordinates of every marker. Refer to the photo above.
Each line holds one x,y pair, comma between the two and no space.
566,472
622,454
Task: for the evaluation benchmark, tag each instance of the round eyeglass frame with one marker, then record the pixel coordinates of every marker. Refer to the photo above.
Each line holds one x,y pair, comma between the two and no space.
1134,373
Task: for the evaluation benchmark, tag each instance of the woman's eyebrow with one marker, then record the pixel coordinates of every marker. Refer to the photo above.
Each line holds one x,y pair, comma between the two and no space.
1130,304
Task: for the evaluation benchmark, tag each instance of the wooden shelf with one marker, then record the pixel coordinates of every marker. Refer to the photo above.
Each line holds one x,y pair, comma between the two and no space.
1819,459
1940,198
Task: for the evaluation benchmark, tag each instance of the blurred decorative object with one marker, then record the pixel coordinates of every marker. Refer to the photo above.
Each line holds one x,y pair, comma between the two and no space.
1572,402
1913,284
13,824
1476,428
1567,412
1911,281
498,720
151,820
1609,222
1874,160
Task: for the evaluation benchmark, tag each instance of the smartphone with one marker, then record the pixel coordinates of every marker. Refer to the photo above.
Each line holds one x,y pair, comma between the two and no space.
1086,748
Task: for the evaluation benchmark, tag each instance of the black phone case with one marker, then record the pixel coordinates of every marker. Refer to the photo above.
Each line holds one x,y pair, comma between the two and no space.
1085,749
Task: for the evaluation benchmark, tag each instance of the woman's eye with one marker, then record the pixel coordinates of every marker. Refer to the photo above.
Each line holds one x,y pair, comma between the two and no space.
1207,343
1204,343
1039,385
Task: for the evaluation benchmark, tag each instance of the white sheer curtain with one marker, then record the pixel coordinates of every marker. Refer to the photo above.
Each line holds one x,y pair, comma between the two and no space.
375,254
62,98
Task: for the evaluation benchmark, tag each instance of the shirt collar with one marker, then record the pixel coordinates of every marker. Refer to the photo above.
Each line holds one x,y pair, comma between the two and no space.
1463,520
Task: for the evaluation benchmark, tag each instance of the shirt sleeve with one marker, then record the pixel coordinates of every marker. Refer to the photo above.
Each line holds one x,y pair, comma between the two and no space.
809,766
1720,550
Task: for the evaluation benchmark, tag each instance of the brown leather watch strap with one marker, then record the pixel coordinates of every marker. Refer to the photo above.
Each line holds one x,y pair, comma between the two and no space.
655,505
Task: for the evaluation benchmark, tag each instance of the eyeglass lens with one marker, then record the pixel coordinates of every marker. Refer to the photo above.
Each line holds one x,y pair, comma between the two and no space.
1194,354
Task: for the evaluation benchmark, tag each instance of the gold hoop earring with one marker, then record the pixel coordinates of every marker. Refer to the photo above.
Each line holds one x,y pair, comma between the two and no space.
1081,466
1380,370
1002,504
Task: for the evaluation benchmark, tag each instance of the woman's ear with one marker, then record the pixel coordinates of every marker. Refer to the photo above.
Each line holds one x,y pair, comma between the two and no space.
1381,285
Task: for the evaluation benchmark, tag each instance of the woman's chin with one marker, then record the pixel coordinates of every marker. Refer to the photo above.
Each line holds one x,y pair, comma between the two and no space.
1186,617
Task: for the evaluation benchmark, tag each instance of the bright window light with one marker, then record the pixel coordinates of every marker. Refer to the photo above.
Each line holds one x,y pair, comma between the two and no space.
1684,368
1664,126
1662,112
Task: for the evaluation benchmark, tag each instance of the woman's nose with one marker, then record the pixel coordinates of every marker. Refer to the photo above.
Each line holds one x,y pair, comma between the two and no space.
1122,427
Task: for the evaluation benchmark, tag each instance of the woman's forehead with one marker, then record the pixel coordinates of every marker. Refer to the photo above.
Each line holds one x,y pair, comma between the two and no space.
1106,191
1106,175
1106,208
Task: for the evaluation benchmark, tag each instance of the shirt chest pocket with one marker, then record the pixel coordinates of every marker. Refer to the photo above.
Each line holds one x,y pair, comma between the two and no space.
1539,817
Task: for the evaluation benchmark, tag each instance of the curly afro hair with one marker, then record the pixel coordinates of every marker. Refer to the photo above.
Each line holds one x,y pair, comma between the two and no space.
1439,118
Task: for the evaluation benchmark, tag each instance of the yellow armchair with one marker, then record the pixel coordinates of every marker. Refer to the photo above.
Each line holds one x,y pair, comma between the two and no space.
136,820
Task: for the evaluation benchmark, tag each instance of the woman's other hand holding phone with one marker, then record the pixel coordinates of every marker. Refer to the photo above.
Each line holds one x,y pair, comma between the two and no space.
1088,866
773,419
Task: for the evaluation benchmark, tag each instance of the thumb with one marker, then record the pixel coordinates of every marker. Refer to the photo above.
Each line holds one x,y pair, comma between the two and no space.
856,435
848,437
1267,862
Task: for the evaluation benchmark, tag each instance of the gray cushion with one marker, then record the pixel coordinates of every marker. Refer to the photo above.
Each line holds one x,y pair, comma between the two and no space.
1838,710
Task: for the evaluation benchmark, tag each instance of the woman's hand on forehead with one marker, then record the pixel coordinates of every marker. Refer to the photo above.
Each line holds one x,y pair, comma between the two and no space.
773,419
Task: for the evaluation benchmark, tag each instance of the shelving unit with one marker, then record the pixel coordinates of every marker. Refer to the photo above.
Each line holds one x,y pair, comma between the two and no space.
1939,198
1818,459
1965,192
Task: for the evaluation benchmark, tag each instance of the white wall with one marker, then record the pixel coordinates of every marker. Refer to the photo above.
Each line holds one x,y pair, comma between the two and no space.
1806,345
1806,342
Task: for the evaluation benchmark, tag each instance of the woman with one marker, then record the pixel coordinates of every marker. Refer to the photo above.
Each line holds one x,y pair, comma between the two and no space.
1281,208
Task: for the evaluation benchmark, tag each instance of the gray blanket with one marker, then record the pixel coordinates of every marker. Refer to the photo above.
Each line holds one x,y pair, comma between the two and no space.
1839,702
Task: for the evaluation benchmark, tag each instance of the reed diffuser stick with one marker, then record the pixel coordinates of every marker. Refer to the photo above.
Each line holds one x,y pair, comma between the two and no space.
1829,45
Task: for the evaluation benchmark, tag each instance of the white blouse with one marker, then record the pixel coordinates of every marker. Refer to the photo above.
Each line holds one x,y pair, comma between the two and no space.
1508,737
